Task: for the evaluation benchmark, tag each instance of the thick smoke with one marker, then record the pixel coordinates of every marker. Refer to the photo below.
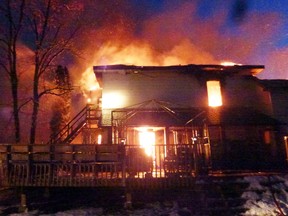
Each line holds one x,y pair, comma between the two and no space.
167,33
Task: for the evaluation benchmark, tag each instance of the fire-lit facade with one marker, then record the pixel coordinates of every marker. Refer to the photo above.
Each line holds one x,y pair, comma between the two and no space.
225,112
161,126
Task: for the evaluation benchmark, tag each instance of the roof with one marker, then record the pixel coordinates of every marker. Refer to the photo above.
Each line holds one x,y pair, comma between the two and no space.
163,118
190,68
275,84
158,113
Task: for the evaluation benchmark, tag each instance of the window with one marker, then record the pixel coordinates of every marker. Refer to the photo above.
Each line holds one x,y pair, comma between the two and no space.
267,137
214,93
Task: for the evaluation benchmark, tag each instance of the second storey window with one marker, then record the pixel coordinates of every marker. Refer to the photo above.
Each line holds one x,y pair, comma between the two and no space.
214,93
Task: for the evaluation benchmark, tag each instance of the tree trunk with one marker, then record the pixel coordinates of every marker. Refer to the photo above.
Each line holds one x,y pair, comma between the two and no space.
34,116
14,88
14,24
34,121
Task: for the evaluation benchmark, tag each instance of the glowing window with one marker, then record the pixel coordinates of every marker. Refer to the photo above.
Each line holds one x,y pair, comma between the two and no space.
267,136
214,93
99,139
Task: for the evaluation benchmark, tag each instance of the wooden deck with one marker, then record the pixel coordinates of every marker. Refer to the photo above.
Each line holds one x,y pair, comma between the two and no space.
91,166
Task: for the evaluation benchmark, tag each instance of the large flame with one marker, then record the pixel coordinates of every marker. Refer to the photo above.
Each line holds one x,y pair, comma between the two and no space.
141,54
89,85
88,80
147,140
109,54
175,36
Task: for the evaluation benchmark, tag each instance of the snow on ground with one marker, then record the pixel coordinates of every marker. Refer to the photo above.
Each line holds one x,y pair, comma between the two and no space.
260,194
150,209
262,198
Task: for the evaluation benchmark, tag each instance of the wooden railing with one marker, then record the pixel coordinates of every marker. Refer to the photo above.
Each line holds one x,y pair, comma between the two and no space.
61,165
92,165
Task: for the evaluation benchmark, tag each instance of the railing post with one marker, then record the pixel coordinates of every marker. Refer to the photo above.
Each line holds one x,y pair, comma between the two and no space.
30,163
52,152
8,161
123,161
195,155
74,165
51,162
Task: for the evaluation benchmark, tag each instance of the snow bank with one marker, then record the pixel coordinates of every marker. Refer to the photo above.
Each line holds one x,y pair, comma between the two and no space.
259,195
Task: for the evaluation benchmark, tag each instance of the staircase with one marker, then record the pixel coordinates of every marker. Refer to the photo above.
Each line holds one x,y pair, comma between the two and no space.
88,117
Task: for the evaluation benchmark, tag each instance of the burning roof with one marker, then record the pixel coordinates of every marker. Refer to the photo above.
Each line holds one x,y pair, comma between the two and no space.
222,69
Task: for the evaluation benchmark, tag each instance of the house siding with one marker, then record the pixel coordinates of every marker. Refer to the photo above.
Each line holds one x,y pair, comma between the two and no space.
184,88
246,91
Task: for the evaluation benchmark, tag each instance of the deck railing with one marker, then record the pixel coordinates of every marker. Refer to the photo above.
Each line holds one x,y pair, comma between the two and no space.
91,165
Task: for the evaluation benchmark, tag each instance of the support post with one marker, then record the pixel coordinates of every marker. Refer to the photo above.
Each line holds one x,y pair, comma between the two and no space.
23,204
128,201
46,192
51,162
29,177
8,163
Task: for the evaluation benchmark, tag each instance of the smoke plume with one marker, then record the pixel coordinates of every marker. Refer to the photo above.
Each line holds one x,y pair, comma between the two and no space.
122,32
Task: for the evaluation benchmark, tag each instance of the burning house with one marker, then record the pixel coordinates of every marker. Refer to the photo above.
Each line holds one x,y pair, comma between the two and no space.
220,116
161,123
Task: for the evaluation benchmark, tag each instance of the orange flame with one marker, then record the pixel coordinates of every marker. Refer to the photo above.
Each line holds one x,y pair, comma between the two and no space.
141,54
228,63
133,54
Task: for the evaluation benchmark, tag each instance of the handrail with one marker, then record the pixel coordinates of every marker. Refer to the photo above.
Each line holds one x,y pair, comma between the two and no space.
69,127
93,164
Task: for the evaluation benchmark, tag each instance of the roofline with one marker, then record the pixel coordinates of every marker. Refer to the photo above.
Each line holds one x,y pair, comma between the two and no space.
243,69
274,83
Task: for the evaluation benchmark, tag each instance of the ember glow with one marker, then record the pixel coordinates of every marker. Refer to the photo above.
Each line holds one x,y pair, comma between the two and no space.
228,63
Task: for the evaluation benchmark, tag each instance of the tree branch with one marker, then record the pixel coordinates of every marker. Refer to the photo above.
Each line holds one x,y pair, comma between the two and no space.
22,105
45,26
5,68
51,91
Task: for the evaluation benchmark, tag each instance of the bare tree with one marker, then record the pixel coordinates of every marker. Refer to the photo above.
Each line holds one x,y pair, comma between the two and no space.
51,39
48,28
11,18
